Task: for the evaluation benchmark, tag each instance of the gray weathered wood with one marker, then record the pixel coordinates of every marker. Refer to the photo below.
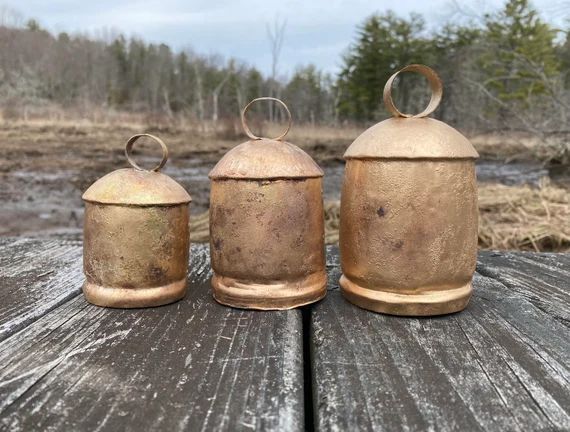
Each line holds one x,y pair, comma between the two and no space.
544,279
193,365
502,364
36,276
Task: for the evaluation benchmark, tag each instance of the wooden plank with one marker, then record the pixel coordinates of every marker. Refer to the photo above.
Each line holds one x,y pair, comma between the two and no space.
502,364
36,276
193,365
543,279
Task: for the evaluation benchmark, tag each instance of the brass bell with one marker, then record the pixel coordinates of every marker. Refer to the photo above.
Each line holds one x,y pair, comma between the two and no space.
408,224
267,224
136,236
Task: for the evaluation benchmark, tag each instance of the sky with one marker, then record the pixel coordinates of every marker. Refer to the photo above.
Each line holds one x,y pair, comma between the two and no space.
316,31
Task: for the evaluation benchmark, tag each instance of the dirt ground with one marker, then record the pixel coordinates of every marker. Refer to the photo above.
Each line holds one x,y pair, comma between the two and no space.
45,167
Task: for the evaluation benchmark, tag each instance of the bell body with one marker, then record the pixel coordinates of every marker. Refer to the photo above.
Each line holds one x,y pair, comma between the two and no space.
267,227
136,240
408,224
267,243
408,234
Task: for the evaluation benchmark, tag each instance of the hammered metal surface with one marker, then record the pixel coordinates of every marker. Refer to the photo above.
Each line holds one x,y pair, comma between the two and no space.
266,159
135,256
408,216
136,187
411,138
136,240
409,228
267,242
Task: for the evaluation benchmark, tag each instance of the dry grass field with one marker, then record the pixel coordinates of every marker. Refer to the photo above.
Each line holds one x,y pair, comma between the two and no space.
46,164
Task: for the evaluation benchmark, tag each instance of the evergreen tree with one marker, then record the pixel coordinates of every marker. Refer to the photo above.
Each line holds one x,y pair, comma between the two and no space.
564,56
521,53
33,26
119,92
308,92
454,49
385,43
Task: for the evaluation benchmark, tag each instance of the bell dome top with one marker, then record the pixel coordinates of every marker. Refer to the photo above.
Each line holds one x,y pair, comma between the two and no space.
410,136
265,158
136,186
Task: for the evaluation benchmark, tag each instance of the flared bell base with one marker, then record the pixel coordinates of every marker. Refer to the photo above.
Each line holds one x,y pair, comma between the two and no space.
134,297
427,303
278,295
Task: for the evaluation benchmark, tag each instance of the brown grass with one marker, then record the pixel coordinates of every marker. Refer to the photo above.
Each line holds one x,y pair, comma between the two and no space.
511,217
327,139
523,218
507,146
511,146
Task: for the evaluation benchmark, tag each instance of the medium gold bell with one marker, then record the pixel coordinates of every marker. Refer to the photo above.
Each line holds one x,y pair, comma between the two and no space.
408,224
267,224
136,237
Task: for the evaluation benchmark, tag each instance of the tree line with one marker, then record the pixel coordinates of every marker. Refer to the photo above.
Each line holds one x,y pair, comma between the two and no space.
507,69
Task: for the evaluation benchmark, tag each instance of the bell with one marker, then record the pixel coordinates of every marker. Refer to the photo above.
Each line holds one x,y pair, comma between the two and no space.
267,224
136,236
408,218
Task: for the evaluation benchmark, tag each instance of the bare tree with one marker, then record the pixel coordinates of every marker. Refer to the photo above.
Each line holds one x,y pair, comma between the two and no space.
197,65
10,17
218,89
240,88
276,35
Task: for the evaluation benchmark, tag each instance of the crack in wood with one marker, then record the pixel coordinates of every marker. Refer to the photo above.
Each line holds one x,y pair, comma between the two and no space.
501,364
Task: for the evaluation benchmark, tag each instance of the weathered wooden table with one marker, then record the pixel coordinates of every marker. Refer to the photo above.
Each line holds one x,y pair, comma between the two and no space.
503,364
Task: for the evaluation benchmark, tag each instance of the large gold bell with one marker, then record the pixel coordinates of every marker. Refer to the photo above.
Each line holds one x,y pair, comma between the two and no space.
408,224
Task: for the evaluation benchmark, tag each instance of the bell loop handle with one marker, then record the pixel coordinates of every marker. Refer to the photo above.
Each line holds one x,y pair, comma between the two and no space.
434,82
248,130
129,149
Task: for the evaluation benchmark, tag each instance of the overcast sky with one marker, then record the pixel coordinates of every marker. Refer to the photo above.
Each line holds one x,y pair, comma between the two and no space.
317,31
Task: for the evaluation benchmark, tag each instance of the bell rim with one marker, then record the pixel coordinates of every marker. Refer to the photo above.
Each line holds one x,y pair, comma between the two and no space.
429,303
129,298
285,295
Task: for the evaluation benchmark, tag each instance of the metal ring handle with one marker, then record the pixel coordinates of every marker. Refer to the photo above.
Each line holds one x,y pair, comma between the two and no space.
129,148
434,82
248,130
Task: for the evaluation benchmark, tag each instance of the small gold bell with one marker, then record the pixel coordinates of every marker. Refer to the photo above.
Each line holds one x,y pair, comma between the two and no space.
267,225
136,236
408,224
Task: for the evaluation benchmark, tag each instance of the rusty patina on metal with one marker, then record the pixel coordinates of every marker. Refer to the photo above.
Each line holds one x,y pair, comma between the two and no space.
267,225
136,237
408,225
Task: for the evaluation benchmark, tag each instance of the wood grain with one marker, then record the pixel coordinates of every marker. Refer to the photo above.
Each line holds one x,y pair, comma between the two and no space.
543,279
193,365
502,364
36,276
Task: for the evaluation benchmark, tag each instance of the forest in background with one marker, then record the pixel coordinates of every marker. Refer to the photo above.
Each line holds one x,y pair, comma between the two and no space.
509,70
